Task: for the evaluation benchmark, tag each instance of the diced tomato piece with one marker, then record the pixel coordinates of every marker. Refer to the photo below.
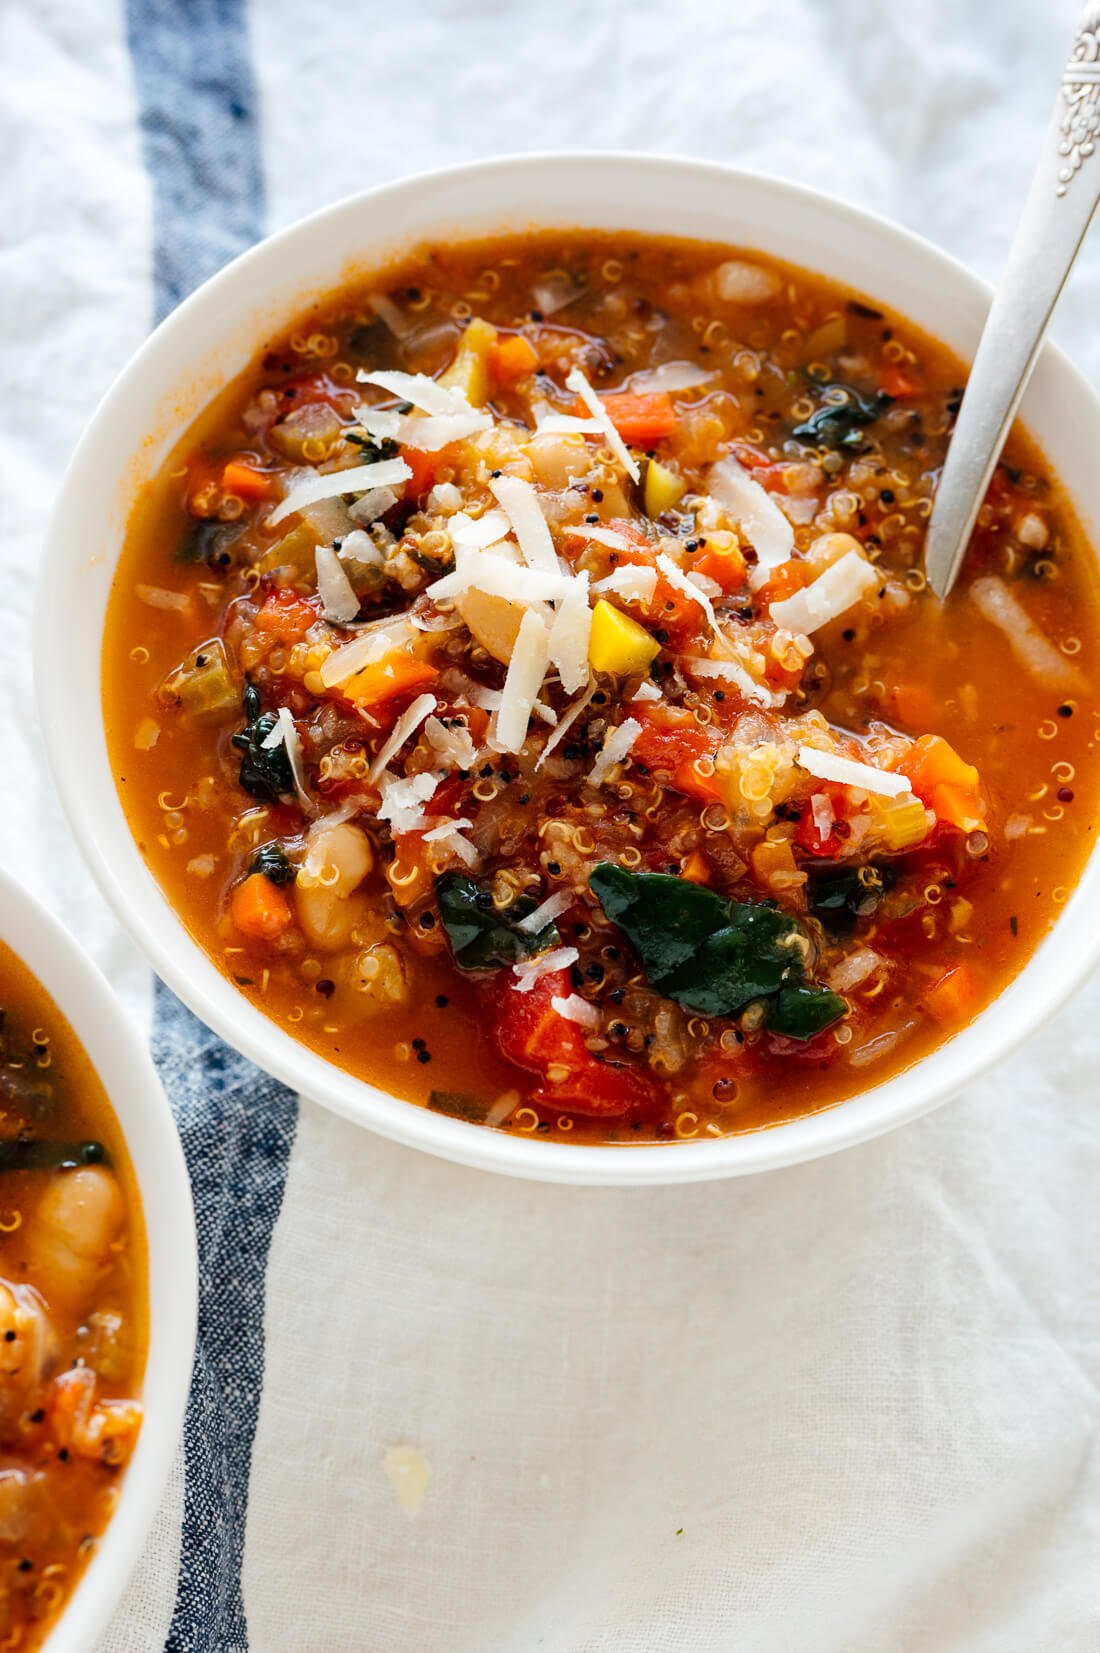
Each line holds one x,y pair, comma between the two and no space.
311,387
423,467
511,358
788,578
669,607
725,567
896,382
642,421
286,615
809,836
244,480
532,1034
672,741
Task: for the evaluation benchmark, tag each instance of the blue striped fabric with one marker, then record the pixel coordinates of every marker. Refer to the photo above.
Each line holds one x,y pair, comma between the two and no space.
197,100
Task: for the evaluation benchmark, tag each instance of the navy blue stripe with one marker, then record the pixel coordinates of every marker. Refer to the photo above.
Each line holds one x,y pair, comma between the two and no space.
199,123
238,1128
197,98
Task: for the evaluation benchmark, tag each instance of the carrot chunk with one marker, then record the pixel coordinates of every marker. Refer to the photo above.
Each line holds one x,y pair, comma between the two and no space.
245,481
511,358
941,779
954,998
640,420
394,674
259,908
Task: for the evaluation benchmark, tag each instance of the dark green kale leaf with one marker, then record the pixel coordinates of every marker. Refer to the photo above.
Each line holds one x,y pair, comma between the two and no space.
209,542
265,770
713,955
839,896
839,424
271,860
482,938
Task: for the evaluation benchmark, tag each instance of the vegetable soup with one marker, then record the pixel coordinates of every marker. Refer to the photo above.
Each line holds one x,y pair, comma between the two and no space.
72,1308
523,684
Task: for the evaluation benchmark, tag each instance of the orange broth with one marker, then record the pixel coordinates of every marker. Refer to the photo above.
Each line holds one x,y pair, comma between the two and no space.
949,903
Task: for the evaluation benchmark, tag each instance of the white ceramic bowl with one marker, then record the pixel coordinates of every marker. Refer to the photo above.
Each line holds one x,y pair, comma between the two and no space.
217,331
130,1080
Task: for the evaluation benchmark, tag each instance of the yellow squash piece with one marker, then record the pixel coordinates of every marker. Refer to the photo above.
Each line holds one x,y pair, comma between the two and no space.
663,488
619,644
469,372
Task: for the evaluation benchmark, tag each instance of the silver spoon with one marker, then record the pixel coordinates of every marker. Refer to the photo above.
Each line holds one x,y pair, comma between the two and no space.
1056,215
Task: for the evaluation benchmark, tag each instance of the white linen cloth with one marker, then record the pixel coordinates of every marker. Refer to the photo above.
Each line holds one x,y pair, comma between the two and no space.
847,1407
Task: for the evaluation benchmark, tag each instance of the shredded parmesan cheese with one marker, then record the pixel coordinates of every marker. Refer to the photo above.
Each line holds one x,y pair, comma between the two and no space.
676,577
476,535
576,1009
286,734
577,382
374,504
634,582
427,435
409,721
520,503
528,971
832,594
338,600
830,766
569,635
403,799
566,723
545,913
732,671
418,389
497,577
526,670
755,512
601,536
344,662
331,484
455,746
614,750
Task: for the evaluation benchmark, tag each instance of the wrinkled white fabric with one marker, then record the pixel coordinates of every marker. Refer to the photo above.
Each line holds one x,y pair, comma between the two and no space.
847,1407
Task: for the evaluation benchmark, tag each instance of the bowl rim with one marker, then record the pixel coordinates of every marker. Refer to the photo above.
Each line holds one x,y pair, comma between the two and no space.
192,975
125,1069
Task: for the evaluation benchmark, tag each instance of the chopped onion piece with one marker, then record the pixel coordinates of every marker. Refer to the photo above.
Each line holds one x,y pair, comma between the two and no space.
528,971
554,292
755,513
374,504
567,424
830,766
576,381
546,912
409,721
395,319
853,969
576,1009
832,594
338,600
155,596
1001,607
332,484
614,750
520,504
669,377
526,670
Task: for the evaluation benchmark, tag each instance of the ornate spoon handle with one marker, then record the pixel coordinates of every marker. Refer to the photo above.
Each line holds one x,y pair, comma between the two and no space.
1056,215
